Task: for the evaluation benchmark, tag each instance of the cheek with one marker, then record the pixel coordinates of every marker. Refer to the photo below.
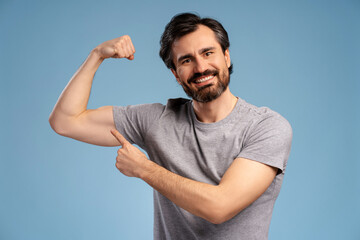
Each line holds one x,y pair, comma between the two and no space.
182,70
182,73
223,63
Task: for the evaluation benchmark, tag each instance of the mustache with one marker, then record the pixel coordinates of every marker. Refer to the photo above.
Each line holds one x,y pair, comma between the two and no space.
197,75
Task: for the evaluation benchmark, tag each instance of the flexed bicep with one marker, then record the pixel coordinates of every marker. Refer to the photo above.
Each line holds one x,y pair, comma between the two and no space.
93,126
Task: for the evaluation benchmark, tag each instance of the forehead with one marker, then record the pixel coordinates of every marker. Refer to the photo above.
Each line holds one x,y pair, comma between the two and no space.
190,43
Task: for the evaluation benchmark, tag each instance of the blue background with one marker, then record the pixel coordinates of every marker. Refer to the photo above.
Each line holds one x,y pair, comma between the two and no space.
300,58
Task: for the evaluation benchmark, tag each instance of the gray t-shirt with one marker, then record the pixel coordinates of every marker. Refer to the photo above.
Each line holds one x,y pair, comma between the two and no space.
174,138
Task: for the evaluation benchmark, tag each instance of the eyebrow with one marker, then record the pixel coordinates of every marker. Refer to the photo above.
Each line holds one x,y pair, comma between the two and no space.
201,51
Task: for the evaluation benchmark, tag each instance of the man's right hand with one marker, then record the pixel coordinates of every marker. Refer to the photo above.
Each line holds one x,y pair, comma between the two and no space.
121,47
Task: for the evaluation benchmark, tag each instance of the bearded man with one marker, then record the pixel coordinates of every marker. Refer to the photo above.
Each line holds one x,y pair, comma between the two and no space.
216,162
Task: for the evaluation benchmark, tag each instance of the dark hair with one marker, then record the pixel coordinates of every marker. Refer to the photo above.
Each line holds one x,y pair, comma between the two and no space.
186,23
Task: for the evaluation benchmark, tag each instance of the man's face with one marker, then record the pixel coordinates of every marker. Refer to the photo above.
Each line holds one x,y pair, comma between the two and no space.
201,65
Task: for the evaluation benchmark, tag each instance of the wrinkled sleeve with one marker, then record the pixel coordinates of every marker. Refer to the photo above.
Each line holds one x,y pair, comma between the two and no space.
269,141
134,121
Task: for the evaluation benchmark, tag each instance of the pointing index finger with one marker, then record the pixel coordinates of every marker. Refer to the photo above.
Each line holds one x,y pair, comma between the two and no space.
119,137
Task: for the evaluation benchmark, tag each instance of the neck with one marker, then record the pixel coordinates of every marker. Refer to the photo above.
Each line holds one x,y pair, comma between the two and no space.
217,109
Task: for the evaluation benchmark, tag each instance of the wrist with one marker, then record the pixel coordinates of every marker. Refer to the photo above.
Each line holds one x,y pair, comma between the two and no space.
96,54
148,170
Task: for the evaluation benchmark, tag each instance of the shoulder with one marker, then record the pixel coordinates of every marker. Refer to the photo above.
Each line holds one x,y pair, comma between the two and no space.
265,119
172,105
268,137
140,109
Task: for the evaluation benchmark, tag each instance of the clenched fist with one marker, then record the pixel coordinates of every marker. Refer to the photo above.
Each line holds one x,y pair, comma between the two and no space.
121,47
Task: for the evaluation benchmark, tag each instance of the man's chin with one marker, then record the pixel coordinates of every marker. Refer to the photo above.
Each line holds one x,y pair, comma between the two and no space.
205,86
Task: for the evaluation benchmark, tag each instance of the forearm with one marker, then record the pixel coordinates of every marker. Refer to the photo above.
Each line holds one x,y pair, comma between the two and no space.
199,198
74,98
243,182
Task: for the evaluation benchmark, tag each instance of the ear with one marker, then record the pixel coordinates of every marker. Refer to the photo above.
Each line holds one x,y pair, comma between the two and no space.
176,75
227,58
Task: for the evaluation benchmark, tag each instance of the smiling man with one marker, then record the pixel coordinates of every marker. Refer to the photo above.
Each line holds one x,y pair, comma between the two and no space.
216,162
201,66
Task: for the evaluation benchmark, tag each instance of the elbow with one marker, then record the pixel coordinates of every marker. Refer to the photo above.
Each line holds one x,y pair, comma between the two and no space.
217,218
57,125
218,213
54,125
216,221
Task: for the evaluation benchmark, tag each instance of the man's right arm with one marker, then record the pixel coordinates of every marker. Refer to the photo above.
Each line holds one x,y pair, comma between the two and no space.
70,116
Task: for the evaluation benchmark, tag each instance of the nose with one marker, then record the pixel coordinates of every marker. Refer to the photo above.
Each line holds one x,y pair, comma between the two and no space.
200,65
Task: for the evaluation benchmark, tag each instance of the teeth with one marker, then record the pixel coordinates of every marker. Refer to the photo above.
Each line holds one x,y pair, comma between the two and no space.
204,79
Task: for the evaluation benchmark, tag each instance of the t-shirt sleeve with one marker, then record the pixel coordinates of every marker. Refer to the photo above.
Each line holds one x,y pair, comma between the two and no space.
269,142
134,121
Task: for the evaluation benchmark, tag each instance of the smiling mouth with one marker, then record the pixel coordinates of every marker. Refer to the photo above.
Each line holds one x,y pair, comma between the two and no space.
204,79
204,82
199,78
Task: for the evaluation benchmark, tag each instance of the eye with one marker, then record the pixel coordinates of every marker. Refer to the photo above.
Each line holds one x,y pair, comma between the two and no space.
208,53
185,61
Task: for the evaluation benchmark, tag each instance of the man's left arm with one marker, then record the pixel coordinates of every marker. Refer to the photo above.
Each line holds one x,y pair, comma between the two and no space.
243,182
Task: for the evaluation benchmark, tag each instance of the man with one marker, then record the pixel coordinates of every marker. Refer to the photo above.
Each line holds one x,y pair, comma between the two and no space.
216,162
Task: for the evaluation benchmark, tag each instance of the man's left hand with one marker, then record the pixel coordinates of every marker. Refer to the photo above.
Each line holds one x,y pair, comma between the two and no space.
130,160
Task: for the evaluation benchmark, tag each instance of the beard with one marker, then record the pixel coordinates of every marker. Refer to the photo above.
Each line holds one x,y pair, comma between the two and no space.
210,91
